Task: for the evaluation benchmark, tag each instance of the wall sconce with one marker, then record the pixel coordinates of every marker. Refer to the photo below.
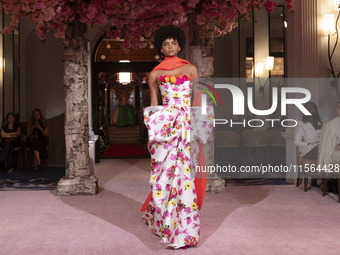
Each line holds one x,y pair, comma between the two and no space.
329,29
124,77
270,64
328,24
259,69
259,73
337,5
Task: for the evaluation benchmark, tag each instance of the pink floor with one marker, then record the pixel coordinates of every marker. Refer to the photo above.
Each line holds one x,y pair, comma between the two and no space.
244,220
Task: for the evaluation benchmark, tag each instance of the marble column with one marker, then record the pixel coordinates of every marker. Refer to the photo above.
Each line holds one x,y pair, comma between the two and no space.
303,62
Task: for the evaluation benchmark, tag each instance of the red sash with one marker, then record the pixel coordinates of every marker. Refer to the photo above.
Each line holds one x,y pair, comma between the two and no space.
170,63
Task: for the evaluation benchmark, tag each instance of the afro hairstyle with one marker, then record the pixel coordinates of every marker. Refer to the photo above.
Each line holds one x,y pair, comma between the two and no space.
169,32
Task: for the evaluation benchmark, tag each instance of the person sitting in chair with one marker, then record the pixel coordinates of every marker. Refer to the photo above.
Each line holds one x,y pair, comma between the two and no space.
10,139
329,151
307,133
37,132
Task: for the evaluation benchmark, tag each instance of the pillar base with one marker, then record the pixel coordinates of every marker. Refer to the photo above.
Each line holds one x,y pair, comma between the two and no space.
87,185
215,185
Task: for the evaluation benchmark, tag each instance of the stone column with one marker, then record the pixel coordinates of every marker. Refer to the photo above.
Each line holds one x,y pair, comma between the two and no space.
78,179
202,56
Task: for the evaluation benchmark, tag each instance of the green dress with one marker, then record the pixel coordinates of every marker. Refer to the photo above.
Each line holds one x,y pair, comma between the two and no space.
127,115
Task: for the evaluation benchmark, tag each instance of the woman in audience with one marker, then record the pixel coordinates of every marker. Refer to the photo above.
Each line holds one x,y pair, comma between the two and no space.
329,151
10,139
37,133
307,133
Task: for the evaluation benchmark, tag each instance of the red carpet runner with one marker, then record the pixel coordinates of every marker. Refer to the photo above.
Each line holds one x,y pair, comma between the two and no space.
126,150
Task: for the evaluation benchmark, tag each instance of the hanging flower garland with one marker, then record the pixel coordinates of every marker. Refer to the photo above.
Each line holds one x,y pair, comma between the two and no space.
135,21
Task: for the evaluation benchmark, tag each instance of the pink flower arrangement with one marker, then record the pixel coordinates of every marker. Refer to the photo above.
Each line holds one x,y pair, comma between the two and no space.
139,18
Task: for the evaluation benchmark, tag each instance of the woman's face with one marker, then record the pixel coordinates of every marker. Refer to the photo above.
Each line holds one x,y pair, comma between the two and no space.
338,109
310,108
10,119
36,116
170,47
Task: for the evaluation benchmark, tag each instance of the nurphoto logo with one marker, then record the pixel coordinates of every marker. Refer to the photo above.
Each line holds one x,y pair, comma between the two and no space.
238,104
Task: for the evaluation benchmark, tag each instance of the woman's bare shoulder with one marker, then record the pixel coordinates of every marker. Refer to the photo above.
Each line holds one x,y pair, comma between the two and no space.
193,69
189,67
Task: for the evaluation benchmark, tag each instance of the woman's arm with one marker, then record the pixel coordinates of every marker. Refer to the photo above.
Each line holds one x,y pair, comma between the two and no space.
154,91
298,136
10,134
195,85
16,133
30,129
44,132
4,134
194,71
154,94
29,132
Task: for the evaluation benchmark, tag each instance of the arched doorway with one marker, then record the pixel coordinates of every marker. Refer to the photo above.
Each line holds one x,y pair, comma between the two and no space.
108,61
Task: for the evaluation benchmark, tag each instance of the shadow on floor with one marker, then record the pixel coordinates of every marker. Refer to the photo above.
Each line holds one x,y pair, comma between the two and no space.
20,179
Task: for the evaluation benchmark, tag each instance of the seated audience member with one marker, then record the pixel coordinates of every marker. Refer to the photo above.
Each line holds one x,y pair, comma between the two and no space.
307,133
329,151
10,134
37,132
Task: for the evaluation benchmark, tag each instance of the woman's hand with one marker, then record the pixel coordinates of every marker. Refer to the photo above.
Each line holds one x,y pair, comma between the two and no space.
149,146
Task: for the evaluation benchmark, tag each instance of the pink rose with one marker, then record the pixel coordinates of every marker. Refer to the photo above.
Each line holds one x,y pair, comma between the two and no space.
155,164
167,232
176,22
161,78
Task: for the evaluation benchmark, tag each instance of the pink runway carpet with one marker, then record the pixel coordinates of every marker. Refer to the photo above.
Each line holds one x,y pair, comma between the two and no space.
126,150
272,219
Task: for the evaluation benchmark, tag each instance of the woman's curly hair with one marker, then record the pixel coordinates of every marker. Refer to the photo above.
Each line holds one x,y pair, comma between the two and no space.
169,32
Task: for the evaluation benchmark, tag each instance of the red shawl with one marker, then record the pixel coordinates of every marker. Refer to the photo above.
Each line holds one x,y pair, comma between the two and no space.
170,63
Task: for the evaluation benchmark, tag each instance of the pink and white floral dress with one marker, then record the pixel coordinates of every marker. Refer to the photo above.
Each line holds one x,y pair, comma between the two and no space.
173,212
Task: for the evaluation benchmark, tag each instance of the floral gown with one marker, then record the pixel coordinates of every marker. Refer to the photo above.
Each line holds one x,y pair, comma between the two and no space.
173,212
